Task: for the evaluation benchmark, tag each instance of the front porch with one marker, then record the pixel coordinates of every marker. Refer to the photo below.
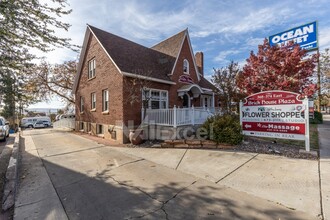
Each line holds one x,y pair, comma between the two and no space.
174,117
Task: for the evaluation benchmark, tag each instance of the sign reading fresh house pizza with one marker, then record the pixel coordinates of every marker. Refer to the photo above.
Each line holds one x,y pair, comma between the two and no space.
305,36
275,114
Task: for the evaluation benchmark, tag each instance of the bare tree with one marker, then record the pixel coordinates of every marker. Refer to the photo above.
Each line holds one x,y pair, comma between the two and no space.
225,80
48,80
137,89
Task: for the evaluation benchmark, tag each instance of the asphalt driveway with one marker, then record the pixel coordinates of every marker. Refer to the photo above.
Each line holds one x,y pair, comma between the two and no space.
68,177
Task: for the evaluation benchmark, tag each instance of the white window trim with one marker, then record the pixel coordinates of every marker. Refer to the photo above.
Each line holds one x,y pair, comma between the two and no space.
186,61
91,68
105,98
93,94
155,90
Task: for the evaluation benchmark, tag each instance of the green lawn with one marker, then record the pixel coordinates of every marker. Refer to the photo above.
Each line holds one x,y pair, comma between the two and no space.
313,134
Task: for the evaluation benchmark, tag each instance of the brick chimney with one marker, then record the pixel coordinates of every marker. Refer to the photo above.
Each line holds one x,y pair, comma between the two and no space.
199,57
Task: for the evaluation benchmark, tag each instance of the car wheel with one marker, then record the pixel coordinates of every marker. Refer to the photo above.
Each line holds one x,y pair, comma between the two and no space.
30,126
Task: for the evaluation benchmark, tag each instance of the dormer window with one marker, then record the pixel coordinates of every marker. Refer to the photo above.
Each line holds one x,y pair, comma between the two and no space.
185,66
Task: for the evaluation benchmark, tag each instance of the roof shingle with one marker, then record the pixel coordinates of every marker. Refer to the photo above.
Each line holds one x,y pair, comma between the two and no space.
171,46
134,58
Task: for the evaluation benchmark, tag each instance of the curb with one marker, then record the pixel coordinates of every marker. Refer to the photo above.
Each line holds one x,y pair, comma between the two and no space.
8,200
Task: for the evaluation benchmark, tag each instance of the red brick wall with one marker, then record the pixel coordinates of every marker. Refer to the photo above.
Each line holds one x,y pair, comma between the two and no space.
133,109
178,71
121,105
107,77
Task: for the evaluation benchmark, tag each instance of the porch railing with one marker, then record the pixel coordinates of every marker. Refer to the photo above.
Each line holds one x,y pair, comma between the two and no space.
178,116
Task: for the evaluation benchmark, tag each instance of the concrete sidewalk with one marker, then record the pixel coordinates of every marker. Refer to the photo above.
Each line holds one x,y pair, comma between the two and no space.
324,140
36,198
293,183
92,181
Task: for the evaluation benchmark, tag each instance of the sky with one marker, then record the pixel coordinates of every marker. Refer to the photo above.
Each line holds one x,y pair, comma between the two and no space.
223,30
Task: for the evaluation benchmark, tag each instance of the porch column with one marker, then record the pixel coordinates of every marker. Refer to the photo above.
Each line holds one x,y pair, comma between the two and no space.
213,100
193,115
174,116
142,114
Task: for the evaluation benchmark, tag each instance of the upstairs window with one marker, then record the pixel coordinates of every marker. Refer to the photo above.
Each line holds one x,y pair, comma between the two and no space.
105,100
81,104
93,100
185,66
91,69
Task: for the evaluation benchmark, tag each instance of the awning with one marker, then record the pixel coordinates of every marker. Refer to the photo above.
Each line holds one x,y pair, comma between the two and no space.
194,88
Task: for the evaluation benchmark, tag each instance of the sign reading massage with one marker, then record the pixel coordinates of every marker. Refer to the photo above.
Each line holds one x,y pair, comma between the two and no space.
275,114
305,36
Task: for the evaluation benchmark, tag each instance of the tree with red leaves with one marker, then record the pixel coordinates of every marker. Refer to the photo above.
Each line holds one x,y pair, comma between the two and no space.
287,68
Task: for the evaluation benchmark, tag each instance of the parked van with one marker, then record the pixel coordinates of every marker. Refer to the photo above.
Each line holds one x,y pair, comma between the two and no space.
29,122
66,116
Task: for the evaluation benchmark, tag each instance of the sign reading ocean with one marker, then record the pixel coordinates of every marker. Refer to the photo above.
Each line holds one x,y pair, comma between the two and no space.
305,36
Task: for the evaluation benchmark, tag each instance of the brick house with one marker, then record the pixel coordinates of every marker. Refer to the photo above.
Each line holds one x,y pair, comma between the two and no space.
106,82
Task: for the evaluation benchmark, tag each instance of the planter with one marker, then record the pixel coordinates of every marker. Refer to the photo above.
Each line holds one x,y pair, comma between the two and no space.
136,136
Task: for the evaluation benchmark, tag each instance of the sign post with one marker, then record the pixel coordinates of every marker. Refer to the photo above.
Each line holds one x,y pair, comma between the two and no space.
276,114
307,146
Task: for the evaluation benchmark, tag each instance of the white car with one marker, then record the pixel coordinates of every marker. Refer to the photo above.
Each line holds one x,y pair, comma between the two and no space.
4,129
39,124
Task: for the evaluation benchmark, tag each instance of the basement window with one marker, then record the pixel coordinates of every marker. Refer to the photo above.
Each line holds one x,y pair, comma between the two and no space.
81,126
99,129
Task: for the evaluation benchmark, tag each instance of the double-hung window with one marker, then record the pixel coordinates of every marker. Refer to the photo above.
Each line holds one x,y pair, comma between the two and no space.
81,104
93,100
105,100
91,68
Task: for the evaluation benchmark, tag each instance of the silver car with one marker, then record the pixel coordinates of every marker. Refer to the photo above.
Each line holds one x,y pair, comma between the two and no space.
39,124
4,129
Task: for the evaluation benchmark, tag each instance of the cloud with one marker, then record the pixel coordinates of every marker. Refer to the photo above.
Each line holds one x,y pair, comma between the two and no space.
324,38
222,56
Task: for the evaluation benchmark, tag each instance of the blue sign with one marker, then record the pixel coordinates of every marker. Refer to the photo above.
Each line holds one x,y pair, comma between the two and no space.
305,36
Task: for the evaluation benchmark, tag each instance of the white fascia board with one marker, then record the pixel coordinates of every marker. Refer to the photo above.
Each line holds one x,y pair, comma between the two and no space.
177,56
148,78
193,57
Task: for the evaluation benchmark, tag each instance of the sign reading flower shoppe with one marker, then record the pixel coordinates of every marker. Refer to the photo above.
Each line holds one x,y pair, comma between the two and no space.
275,114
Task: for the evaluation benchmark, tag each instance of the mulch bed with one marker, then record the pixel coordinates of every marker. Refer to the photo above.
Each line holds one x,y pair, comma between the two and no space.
253,145
256,145
250,144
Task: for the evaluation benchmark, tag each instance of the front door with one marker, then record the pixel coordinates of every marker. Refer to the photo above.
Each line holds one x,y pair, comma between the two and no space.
186,101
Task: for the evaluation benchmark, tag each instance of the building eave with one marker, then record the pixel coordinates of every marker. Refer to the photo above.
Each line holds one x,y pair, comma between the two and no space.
148,78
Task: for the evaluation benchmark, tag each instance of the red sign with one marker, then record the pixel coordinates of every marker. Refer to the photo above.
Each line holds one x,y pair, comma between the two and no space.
275,97
273,114
186,79
291,128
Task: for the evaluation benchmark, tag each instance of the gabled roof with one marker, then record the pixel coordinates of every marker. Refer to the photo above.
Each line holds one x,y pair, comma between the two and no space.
171,46
204,83
134,58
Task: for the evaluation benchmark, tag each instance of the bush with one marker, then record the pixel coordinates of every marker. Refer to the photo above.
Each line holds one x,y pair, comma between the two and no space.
318,118
224,129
